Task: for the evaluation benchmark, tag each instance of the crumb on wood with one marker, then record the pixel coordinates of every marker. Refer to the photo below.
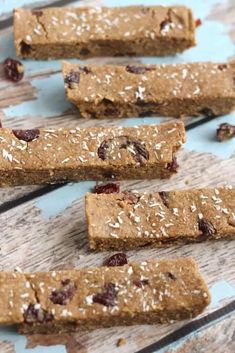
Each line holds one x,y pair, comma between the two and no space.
121,342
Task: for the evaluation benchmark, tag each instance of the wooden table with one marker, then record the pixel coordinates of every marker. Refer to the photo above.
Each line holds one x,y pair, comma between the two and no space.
43,228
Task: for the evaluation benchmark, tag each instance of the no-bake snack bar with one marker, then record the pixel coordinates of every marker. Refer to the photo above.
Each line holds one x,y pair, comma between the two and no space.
168,90
137,293
54,156
88,32
130,220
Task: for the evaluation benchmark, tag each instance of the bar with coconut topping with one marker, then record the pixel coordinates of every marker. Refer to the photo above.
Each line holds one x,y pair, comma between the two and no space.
112,91
147,292
41,156
85,32
130,220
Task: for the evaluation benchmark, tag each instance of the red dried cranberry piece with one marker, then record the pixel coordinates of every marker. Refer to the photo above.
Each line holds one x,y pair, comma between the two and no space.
130,197
85,69
63,295
37,314
173,166
72,78
141,282
171,276
37,13
107,297
139,153
27,135
13,69
206,227
119,259
109,188
25,48
222,67
84,51
198,22
208,112
164,197
138,70
225,132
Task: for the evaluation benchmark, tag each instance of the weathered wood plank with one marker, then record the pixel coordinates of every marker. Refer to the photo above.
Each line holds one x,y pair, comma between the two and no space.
219,337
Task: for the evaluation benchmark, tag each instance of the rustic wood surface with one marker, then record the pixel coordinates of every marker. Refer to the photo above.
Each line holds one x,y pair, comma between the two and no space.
43,228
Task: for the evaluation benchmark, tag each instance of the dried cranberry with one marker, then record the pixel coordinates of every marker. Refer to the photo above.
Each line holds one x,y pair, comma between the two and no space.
222,67
85,69
225,132
13,69
164,25
208,112
206,227
84,51
25,48
72,78
139,153
27,135
107,297
109,188
119,259
37,13
37,314
198,22
138,70
172,166
171,276
141,282
130,197
164,197
63,295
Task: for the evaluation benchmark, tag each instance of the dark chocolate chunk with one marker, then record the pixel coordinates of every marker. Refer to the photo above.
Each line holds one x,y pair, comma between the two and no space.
27,135
107,297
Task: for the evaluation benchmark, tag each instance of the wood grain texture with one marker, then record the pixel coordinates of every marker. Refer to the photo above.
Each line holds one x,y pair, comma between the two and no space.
219,337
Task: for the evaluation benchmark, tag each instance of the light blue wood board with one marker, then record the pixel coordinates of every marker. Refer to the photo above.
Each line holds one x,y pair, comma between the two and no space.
214,43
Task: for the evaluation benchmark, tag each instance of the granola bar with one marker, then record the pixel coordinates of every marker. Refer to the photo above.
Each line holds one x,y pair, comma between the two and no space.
87,32
112,91
137,293
130,220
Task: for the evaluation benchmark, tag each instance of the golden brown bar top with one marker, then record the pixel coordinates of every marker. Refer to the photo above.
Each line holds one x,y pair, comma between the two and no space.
131,220
137,293
116,31
58,155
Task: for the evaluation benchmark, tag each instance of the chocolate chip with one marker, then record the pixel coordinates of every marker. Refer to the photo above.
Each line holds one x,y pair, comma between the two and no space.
37,13
111,109
138,70
141,282
164,197
225,132
164,25
65,294
206,227
25,48
119,259
13,69
109,188
107,297
36,314
208,112
84,51
135,147
72,79
172,166
27,135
